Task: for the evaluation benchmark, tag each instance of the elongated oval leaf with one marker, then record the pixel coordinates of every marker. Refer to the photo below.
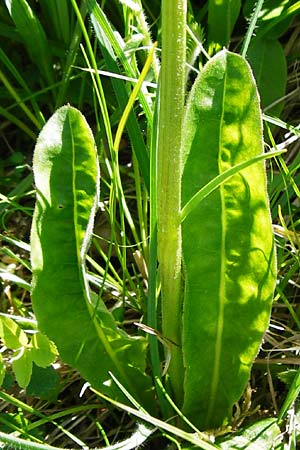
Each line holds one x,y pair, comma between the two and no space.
227,238
66,175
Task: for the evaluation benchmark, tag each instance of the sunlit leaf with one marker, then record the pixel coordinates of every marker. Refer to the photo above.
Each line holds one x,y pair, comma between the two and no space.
228,250
22,367
66,175
43,351
11,334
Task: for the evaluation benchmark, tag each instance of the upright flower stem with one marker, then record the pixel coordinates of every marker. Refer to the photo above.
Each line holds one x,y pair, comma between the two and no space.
172,91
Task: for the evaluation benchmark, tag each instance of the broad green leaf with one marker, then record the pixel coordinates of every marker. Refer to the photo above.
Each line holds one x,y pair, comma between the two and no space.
262,435
32,35
268,63
67,178
22,367
43,351
222,15
228,250
12,335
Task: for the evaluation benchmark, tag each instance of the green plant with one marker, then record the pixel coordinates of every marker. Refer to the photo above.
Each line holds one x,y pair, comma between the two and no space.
222,128
26,351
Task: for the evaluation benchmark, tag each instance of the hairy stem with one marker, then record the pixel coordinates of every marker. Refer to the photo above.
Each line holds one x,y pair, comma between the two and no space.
172,89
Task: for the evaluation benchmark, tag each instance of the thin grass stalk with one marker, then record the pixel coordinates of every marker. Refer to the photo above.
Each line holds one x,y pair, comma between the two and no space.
124,210
116,191
141,201
19,101
13,119
73,49
43,419
99,15
113,277
16,74
172,92
96,79
101,26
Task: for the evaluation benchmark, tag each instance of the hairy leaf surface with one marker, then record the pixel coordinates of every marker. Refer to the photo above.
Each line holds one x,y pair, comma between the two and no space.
66,175
228,249
262,435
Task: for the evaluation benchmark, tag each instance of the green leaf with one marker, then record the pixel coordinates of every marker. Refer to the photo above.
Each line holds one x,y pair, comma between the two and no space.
274,18
43,351
12,335
262,435
222,15
291,396
44,383
228,249
66,174
22,367
222,178
32,35
268,63
287,376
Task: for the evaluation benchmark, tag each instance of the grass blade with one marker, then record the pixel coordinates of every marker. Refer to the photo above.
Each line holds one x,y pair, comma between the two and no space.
107,39
33,36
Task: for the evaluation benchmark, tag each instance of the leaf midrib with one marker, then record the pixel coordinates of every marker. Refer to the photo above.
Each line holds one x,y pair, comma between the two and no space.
220,321
81,267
